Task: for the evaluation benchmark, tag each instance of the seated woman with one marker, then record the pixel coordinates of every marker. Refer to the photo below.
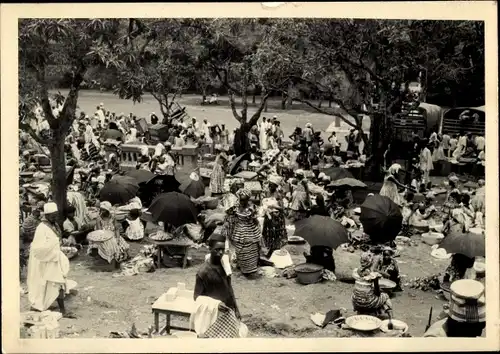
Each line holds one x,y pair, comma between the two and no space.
115,249
367,297
73,230
388,268
321,255
457,268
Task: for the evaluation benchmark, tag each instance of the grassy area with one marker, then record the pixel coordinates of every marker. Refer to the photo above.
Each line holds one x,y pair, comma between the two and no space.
299,115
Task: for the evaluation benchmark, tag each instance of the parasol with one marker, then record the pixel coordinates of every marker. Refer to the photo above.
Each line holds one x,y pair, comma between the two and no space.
469,244
193,187
173,208
235,163
381,218
113,134
140,175
348,182
321,231
119,190
336,173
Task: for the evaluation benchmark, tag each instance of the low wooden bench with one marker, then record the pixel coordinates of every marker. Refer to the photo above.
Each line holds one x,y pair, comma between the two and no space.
162,247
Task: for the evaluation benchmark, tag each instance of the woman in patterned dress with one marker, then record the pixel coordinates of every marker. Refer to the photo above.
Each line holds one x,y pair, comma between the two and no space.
243,231
115,249
218,175
367,297
274,231
301,201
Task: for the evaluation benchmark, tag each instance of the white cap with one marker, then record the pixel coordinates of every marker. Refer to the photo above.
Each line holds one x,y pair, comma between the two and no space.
50,208
194,176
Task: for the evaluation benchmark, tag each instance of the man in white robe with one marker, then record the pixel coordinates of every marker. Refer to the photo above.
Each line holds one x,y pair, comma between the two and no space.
48,266
263,134
206,130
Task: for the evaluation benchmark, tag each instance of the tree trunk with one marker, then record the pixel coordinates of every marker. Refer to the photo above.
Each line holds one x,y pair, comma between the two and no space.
329,104
58,162
204,94
375,147
320,102
262,94
253,97
289,96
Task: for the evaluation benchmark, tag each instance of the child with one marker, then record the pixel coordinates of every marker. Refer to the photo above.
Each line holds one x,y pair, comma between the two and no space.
134,229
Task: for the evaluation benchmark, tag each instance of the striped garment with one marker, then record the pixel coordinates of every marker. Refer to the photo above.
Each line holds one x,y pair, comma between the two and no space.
116,248
245,233
364,297
467,310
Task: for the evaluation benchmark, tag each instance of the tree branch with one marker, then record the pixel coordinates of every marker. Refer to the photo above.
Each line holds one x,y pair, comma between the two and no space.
67,115
27,128
47,109
319,110
233,107
255,117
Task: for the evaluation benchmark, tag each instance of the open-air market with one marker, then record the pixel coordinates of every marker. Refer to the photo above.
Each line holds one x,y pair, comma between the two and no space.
253,177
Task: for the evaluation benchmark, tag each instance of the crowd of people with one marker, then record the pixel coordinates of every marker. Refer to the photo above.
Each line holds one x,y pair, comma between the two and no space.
246,229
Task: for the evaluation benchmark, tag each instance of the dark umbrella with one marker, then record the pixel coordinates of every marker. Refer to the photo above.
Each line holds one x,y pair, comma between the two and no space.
140,175
173,208
381,218
193,187
468,244
336,173
235,163
113,134
321,231
119,190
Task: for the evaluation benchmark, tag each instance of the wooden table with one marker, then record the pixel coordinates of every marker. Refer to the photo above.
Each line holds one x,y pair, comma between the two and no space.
183,306
162,245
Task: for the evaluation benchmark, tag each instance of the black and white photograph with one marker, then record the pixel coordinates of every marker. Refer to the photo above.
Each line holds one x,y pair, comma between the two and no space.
250,176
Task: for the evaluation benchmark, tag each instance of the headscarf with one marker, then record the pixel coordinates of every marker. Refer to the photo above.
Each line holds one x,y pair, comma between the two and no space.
394,168
159,149
243,192
105,206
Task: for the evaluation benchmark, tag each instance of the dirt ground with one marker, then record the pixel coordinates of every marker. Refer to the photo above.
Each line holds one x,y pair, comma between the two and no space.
275,307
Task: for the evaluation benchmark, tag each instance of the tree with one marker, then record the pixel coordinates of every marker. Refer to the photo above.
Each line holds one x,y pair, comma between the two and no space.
163,65
374,57
69,47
